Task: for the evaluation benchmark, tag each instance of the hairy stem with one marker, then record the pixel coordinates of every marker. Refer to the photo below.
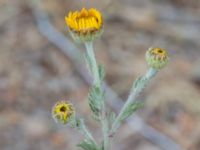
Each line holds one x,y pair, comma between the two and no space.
84,130
105,129
93,64
97,82
132,97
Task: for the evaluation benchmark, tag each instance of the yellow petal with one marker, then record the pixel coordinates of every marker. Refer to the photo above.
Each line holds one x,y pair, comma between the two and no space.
84,12
83,23
94,23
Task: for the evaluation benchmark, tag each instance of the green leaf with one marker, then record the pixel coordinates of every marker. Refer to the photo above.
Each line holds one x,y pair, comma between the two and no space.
73,122
95,117
111,117
96,98
140,84
131,109
88,145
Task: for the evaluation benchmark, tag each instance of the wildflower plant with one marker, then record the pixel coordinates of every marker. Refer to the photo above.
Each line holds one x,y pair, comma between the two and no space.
85,26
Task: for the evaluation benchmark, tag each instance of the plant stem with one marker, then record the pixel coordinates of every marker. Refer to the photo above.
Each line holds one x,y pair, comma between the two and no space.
84,130
150,74
94,68
132,97
105,129
97,82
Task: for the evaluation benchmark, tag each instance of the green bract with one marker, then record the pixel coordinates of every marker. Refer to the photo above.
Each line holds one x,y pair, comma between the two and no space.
157,58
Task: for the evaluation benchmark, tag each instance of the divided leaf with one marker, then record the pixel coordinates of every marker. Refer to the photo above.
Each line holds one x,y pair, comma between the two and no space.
96,98
111,117
131,109
88,145
140,83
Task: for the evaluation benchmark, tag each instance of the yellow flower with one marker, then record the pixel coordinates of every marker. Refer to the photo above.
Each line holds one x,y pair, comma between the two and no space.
85,25
157,58
63,112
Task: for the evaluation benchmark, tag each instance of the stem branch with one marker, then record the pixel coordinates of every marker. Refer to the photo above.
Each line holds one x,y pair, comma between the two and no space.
84,130
132,97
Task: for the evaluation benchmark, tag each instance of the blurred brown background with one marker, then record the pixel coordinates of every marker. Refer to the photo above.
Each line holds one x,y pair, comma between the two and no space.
34,74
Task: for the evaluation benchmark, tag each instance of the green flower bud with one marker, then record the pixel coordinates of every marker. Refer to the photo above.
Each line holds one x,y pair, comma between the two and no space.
157,58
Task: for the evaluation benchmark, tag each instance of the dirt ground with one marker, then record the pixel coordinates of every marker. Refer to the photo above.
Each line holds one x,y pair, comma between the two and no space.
34,74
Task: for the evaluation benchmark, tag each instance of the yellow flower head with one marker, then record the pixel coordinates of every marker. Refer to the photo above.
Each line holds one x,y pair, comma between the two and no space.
63,112
157,58
85,25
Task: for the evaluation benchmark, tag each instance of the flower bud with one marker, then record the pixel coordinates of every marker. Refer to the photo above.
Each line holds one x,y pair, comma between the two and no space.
157,58
63,112
85,25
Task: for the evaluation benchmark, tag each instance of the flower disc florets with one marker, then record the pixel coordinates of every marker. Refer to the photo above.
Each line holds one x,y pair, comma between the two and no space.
63,112
157,58
85,25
